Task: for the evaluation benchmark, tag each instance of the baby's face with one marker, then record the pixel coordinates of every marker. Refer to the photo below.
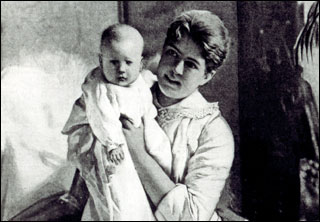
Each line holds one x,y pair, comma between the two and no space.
121,62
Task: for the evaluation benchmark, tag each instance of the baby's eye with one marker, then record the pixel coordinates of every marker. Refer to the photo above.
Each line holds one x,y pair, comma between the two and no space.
190,65
128,62
114,62
171,52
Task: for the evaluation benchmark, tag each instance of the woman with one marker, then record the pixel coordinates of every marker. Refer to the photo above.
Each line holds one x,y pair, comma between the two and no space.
202,142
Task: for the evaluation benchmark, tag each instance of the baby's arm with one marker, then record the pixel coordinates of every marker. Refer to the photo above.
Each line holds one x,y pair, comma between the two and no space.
80,137
102,114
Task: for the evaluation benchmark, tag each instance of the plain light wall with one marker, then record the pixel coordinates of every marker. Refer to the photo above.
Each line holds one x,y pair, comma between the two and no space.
72,26
46,50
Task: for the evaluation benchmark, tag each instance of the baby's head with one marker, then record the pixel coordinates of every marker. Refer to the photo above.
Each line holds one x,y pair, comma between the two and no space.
121,54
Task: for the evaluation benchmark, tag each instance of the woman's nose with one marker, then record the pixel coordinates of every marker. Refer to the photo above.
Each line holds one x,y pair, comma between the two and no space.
178,69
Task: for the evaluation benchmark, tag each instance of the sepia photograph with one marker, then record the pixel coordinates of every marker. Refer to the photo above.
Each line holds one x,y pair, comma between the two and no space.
159,110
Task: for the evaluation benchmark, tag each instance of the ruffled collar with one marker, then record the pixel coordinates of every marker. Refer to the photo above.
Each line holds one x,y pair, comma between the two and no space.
194,106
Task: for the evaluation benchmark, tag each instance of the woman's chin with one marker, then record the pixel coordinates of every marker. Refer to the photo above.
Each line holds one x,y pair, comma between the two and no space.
170,92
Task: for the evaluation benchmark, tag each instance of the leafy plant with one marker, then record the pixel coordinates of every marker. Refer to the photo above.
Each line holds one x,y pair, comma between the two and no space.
309,35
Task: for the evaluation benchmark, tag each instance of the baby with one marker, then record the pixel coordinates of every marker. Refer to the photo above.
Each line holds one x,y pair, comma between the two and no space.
117,88
113,89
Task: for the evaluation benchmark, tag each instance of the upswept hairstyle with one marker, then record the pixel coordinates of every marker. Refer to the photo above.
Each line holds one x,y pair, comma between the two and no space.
207,30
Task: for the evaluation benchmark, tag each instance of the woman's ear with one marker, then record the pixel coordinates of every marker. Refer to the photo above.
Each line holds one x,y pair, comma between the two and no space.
208,76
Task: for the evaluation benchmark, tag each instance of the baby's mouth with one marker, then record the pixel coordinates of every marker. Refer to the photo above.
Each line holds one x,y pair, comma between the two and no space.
122,79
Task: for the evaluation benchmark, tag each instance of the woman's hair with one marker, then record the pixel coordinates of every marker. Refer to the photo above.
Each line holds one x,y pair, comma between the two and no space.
207,30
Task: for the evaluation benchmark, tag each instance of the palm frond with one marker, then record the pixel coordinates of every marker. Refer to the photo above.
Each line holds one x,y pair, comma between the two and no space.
309,35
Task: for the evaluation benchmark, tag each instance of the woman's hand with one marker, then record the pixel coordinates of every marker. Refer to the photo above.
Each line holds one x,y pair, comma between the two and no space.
134,136
154,179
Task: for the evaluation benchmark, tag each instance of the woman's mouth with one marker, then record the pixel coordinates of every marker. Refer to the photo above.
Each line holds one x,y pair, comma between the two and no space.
171,81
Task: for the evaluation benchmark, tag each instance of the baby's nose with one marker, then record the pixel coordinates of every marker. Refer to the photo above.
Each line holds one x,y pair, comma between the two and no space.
122,67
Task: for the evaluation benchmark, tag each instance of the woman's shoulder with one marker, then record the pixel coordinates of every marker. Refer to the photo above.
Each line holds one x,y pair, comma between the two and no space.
214,124
218,124
94,74
198,108
214,118
216,136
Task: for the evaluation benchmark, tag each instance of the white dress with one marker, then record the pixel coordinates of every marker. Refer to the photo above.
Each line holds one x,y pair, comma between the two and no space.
202,155
116,192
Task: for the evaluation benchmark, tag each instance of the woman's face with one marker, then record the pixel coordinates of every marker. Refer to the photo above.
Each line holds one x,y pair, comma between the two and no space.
182,69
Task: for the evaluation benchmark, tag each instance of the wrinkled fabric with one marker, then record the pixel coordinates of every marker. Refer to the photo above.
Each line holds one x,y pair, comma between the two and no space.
94,129
202,152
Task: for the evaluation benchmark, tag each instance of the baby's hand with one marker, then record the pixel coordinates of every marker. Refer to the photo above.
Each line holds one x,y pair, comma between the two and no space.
116,155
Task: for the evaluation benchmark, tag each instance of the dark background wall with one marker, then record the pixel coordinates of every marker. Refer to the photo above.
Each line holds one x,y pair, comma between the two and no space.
152,18
53,45
275,130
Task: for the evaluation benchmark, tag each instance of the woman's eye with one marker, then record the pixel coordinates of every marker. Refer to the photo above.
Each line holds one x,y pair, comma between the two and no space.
190,65
171,52
129,62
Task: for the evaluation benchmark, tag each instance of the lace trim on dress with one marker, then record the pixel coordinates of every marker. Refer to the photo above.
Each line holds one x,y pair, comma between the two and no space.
167,114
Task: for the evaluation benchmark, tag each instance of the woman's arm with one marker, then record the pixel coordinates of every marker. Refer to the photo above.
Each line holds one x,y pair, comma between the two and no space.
208,169
155,181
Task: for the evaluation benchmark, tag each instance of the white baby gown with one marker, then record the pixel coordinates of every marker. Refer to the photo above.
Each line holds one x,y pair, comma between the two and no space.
119,195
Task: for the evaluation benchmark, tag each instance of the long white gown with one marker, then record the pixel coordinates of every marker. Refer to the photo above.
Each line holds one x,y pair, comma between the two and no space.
119,195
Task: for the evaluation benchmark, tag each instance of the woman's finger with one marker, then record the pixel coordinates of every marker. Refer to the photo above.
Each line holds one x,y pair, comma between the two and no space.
126,123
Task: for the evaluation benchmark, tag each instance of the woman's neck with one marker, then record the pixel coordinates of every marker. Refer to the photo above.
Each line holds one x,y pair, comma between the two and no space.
164,100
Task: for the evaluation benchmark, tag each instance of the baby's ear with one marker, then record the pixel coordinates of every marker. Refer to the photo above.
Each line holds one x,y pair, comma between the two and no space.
141,64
